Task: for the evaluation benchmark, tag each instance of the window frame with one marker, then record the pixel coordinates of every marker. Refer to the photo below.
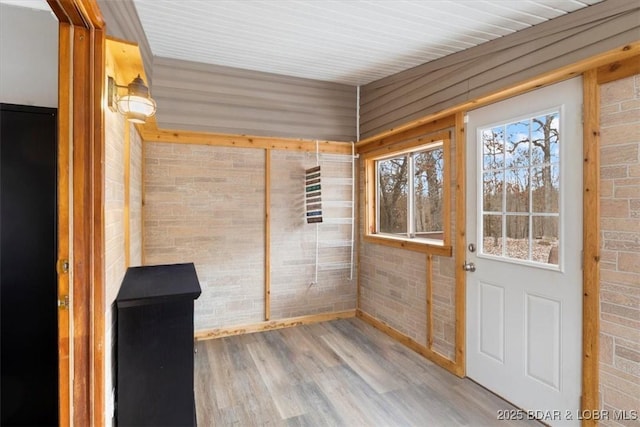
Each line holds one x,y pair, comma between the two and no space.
370,233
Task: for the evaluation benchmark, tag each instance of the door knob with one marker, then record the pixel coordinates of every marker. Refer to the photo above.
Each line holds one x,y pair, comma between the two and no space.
469,266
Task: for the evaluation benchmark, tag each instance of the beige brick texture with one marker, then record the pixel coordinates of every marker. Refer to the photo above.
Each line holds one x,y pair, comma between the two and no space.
620,240
206,205
294,288
114,232
135,198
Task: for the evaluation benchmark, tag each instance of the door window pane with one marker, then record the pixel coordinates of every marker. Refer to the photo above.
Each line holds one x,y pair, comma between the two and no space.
545,239
545,138
493,148
492,234
517,237
517,186
492,183
545,189
521,189
517,147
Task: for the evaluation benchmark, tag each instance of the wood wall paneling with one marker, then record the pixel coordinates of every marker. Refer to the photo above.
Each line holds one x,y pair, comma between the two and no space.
412,132
476,72
209,98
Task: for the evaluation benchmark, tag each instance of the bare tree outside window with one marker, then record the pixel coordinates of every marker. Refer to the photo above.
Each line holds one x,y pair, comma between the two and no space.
521,187
428,194
421,195
392,185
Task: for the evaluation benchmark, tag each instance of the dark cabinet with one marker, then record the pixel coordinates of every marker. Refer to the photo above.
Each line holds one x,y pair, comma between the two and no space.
155,346
28,278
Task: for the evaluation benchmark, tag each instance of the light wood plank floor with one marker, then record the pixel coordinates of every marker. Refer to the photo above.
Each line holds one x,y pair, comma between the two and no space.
339,373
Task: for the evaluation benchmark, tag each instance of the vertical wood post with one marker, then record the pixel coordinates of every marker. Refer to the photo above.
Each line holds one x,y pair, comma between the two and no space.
267,234
591,242
460,248
81,135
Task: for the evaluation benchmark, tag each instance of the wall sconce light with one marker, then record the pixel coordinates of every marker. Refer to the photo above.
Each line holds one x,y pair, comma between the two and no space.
137,106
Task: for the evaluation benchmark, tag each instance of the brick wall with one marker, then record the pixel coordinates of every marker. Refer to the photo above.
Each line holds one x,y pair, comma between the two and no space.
293,241
620,246
205,205
114,237
114,233
114,261
135,198
393,288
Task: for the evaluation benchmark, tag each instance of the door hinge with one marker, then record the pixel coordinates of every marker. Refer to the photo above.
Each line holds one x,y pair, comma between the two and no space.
63,266
63,302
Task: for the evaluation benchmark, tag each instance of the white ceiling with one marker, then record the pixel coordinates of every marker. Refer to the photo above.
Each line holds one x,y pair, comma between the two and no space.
345,41
33,4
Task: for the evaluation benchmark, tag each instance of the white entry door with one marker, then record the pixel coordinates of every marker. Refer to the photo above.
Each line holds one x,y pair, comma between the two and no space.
524,222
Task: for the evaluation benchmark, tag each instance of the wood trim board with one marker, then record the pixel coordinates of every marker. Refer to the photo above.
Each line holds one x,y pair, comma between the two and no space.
271,325
435,357
81,60
267,234
429,293
64,222
97,291
618,70
150,133
591,245
460,247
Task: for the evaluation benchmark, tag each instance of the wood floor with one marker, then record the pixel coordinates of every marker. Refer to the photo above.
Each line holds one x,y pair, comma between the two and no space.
339,373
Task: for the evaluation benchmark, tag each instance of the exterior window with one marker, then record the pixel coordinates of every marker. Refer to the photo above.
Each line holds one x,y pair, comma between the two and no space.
410,193
407,198
521,189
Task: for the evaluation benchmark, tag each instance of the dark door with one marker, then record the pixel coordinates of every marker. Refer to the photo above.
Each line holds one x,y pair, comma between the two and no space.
28,296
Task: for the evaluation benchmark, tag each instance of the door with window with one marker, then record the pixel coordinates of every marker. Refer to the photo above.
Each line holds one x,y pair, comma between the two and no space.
524,222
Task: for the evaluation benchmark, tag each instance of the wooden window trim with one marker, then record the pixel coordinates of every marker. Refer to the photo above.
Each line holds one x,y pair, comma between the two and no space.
417,245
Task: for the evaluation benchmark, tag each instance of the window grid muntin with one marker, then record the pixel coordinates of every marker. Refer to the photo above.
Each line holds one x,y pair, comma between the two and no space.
409,157
504,213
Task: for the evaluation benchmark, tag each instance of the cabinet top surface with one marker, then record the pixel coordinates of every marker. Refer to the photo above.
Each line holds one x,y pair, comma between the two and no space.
148,284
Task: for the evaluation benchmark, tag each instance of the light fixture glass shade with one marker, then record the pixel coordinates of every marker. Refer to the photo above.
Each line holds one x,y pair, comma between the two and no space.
137,105
136,108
